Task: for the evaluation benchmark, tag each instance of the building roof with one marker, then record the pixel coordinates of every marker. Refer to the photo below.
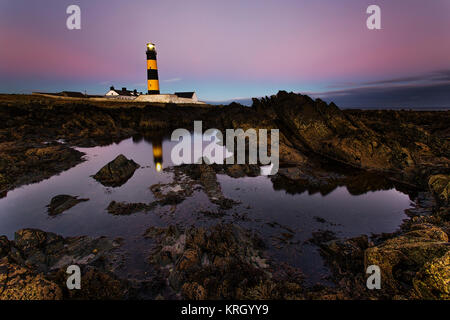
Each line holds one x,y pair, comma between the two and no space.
188,95
124,92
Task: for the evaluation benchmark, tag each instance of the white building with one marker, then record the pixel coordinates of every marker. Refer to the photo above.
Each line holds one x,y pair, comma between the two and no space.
122,94
187,95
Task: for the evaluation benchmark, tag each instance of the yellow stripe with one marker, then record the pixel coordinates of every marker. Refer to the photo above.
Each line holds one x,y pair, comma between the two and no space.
153,84
157,151
151,64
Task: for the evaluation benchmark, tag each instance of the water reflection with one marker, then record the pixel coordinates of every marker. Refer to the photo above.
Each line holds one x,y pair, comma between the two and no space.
157,154
356,181
262,203
198,142
156,141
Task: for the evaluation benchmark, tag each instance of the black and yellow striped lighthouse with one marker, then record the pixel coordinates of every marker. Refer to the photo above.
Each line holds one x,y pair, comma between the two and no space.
152,70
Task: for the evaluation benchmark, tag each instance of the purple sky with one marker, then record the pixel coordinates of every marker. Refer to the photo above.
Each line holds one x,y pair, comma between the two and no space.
232,49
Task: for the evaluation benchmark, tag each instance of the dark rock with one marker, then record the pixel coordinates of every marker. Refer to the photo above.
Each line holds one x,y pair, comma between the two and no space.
47,251
320,219
98,285
32,242
116,172
20,283
173,193
194,291
432,282
187,178
242,170
124,208
3,186
321,236
222,261
213,214
4,246
401,257
440,186
347,256
61,203
35,263
326,130
212,187
24,162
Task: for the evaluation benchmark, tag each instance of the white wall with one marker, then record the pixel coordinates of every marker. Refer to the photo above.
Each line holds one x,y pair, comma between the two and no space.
111,93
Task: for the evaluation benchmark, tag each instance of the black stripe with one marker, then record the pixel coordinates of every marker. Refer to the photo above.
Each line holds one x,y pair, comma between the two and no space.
152,74
151,55
153,91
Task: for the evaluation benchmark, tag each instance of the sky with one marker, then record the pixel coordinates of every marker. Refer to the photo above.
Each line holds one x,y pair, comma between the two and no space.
233,50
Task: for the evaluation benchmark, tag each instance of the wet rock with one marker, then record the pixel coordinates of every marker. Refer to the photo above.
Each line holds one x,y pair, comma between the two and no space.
24,161
222,261
321,236
242,170
124,208
4,246
418,137
32,243
33,266
96,285
213,214
47,251
61,203
440,186
401,257
212,187
3,186
326,130
116,172
188,260
170,194
173,193
345,256
194,291
188,178
433,280
428,231
20,283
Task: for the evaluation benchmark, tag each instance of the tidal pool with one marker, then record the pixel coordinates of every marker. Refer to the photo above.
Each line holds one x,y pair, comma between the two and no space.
285,221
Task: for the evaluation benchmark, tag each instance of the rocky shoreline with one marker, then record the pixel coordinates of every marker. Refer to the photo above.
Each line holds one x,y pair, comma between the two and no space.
411,149
37,134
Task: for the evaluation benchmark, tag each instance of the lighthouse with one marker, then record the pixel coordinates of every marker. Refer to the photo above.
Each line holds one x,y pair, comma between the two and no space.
152,70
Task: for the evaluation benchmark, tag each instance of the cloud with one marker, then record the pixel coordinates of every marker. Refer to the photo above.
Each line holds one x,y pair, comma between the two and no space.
414,96
172,80
441,75
431,77
431,90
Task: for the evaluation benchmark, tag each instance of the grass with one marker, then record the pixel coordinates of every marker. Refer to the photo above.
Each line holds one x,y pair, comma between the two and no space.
13,100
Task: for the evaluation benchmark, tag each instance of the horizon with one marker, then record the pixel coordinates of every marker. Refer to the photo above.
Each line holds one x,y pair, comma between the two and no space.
233,51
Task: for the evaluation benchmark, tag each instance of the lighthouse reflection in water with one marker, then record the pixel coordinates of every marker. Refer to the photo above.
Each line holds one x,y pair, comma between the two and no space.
157,154
156,142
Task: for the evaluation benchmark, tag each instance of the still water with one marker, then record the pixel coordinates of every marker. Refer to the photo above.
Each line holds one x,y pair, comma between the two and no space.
285,221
